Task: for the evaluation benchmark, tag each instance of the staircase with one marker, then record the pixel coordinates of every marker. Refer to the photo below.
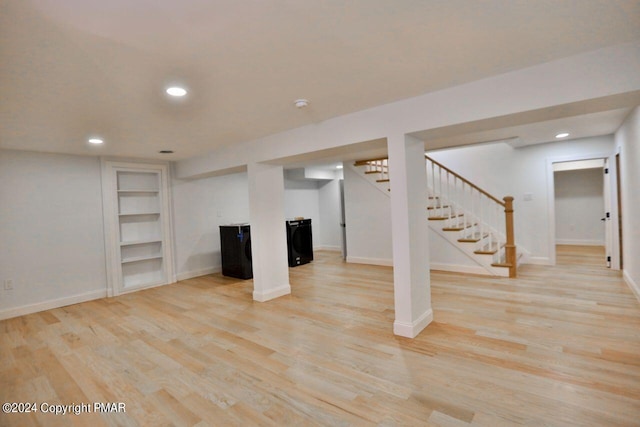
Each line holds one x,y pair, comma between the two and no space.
469,218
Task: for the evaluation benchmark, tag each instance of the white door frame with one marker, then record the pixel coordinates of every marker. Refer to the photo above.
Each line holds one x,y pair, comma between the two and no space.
551,196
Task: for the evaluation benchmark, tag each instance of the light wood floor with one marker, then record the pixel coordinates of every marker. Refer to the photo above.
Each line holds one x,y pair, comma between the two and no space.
559,346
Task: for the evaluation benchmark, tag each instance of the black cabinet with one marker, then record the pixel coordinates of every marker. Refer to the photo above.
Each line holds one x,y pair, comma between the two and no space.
235,246
299,242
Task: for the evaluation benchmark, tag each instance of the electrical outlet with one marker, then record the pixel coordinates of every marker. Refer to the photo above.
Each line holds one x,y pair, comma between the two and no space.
8,284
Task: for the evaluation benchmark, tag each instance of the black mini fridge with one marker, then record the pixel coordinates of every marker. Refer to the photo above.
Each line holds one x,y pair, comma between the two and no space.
299,242
235,246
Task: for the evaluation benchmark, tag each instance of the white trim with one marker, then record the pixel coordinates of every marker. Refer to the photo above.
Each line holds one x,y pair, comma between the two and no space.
327,248
635,288
551,195
272,293
51,304
110,168
370,261
197,273
143,287
411,330
580,242
539,260
468,269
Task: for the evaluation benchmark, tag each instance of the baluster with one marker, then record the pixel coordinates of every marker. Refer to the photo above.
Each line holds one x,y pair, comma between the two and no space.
464,205
482,219
449,198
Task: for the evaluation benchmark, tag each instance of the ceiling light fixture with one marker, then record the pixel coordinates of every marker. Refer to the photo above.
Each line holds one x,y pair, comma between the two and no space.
562,135
96,140
301,103
339,167
165,151
176,91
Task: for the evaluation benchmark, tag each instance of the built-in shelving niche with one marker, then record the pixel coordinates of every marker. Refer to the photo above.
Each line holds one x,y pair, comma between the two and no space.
137,225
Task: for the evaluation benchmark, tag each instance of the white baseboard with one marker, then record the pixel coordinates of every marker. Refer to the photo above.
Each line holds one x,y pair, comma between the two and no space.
537,260
635,287
470,269
411,330
327,248
48,305
197,273
580,242
272,294
370,261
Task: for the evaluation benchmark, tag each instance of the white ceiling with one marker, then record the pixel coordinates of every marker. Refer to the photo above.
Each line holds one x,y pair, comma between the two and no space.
70,69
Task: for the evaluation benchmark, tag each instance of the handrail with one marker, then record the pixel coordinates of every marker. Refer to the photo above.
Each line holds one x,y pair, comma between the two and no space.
495,199
446,195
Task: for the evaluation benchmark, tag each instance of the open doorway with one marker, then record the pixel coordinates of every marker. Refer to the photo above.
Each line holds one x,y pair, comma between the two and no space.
581,223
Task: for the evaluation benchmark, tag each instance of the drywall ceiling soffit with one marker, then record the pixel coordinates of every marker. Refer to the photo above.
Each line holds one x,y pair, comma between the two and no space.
601,116
358,151
73,68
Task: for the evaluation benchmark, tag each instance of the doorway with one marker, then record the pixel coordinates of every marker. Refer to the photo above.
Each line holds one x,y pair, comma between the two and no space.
580,198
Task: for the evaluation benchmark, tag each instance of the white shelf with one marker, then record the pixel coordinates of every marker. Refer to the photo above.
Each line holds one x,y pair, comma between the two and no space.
142,273
139,213
137,203
140,242
141,258
143,191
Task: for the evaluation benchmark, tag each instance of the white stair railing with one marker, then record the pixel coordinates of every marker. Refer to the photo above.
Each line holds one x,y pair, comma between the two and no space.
474,211
466,208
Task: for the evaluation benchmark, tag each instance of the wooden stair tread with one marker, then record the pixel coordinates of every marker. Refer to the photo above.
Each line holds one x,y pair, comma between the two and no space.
442,218
488,250
501,264
438,207
458,228
473,238
382,180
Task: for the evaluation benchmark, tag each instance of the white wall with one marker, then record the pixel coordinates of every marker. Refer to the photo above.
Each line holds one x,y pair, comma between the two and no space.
301,198
628,142
368,221
51,231
503,170
330,214
579,207
200,206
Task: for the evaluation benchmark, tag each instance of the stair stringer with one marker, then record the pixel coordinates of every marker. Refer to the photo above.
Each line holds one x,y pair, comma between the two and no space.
481,263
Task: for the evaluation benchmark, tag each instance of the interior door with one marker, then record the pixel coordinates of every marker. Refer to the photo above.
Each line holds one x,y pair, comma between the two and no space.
608,209
619,209
342,221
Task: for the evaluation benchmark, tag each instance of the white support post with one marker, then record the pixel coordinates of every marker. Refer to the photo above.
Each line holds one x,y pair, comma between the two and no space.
412,288
268,231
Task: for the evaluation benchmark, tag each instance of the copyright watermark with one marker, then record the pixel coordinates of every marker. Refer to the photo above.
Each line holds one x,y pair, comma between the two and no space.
69,409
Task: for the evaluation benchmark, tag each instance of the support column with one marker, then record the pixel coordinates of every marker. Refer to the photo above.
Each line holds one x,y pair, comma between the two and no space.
268,232
411,283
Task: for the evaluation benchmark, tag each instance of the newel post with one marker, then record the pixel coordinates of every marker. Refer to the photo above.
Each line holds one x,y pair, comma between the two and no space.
510,247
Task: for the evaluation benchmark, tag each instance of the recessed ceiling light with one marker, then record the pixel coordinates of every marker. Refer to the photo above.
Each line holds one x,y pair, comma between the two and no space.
176,91
339,167
96,141
301,103
165,151
562,135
